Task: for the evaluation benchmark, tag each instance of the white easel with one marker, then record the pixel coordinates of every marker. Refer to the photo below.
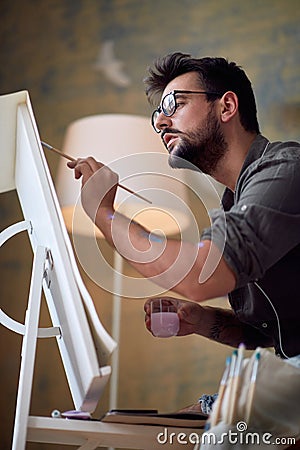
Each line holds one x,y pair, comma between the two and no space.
84,344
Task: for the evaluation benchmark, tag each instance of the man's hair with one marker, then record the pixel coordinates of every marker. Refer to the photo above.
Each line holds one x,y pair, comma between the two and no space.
215,75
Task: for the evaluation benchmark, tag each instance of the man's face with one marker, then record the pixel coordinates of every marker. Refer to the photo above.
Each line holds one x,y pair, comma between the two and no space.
193,132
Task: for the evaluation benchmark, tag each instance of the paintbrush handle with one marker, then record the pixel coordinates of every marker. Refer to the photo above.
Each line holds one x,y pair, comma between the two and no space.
134,193
236,382
70,158
252,386
216,415
249,402
59,152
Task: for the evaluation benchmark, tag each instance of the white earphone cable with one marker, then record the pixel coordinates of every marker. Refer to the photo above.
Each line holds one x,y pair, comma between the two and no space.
277,318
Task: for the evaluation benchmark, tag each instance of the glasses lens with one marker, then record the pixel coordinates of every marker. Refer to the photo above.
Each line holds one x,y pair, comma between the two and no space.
168,108
168,105
154,120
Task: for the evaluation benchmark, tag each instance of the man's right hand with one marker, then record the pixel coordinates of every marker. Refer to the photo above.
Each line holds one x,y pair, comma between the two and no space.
99,184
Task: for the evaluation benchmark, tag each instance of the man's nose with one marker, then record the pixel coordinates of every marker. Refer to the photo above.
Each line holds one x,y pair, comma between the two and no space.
163,121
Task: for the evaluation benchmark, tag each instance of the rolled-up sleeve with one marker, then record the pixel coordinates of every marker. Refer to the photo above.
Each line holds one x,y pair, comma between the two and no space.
264,222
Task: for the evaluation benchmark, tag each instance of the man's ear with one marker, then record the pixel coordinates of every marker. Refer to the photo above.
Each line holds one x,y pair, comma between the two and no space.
229,106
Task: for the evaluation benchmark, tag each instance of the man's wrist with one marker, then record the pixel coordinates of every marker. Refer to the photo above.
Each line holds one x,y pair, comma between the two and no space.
105,216
203,322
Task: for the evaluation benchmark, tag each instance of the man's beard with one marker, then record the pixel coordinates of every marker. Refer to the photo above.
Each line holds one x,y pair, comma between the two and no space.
201,149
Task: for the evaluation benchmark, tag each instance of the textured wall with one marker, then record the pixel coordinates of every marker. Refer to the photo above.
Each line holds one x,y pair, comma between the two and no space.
62,52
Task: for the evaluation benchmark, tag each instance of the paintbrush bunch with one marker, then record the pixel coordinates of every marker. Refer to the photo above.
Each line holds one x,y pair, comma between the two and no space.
226,407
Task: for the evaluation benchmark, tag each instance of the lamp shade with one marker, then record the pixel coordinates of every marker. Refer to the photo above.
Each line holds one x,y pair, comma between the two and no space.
129,146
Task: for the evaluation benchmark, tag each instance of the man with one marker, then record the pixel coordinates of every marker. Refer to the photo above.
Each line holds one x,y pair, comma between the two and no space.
207,118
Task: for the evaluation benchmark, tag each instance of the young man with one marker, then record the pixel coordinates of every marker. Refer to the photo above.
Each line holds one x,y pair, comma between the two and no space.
207,118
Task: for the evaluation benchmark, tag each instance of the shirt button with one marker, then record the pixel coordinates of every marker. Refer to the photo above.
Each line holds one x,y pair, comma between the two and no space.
244,207
264,325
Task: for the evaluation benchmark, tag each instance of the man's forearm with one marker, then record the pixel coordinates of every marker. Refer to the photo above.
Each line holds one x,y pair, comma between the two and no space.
167,262
222,325
170,263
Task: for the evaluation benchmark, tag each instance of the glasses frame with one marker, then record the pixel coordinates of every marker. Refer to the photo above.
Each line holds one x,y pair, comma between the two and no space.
160,108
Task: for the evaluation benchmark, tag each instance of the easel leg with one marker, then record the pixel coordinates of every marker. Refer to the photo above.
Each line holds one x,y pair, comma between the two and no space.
29,350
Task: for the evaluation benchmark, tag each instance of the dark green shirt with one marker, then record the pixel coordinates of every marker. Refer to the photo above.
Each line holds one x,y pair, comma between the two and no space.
260,232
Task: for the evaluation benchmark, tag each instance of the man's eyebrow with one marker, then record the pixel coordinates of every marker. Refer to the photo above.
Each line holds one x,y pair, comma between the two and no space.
181,94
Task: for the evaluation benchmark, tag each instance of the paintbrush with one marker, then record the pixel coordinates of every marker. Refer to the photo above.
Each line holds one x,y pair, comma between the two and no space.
236,383
230,383
70,158
252,385
216,415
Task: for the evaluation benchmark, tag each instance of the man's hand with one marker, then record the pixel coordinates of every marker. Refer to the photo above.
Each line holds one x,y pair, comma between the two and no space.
99,185
190,315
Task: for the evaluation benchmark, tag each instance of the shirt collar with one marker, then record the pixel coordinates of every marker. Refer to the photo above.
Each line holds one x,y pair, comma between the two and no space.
255,152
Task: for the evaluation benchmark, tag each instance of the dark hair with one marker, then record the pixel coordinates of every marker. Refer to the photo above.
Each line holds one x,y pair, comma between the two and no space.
215,74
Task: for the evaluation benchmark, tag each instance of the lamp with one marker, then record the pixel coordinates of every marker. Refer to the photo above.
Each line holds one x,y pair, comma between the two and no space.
128,145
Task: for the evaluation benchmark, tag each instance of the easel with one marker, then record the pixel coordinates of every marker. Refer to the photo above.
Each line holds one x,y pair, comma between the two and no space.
55,273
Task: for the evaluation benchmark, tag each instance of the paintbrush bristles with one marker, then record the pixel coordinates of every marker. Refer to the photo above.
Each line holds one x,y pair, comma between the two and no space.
59,152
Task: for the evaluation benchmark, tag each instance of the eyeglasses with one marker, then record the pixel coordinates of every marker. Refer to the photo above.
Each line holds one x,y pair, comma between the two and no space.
169,105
